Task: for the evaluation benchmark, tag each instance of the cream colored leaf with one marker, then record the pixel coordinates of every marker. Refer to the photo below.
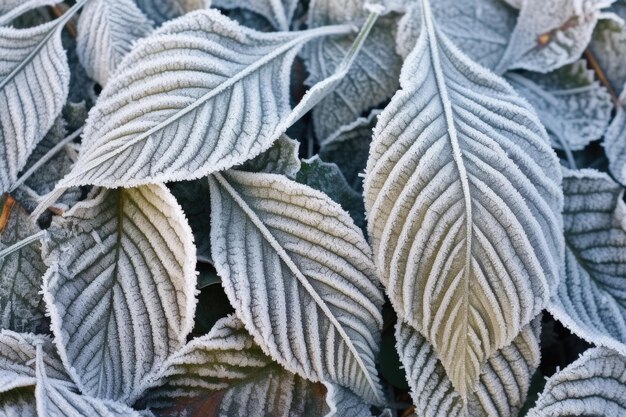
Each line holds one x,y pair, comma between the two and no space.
463,199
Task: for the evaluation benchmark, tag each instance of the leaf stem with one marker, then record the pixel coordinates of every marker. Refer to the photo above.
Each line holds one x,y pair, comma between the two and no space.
19,245
45,158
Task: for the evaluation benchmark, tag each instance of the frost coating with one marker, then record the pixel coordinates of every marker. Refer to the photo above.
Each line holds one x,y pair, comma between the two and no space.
121,273
21,305
203,66
107,30
591,298
572,105
371,79
161,10
608,45
503,384
615,142
551,33
300,276
594,385
278,12
463,198
34,78
281,158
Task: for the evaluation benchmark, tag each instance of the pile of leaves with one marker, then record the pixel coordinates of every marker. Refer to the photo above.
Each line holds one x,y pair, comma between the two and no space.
312,208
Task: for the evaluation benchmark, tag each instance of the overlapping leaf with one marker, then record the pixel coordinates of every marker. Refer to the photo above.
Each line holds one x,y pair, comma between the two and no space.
107,30
21,306
300,276
571,104
278,12
371,79
550,34
594,385
120,288
502,387
280,158
227,369
199,95
161,10
591,298
463,198
608,45
34,78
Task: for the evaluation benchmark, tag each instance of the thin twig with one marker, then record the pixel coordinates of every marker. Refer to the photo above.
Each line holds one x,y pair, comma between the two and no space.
9,202
19,245
57,11
597,69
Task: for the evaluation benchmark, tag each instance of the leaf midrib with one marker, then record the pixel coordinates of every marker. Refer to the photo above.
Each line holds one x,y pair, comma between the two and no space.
299,275
458,159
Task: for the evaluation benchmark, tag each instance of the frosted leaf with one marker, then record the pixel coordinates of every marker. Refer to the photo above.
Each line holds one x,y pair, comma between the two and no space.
227,367
172,112
45,178
21,306
372,78
594,385
34,78
18,352
573,106
591,298
327,178
299,274
503,383
280,158
550,34
479,28
278,12
161,10
60,400
349,148
18,403
107,30
120,288
10,9
463,200
615,142
608,46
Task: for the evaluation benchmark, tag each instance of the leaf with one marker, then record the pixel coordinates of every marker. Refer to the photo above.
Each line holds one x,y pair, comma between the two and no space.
227,374
571,104
45,178
463,200
278,12
615,142
594,385
280,158
550,34
372,78
161,10
34,78
479,28
349,149
21,306
11,9
18,353
327,178
591,298
144,129
608,46
120,288
300,276
502,387
107,30
18,403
